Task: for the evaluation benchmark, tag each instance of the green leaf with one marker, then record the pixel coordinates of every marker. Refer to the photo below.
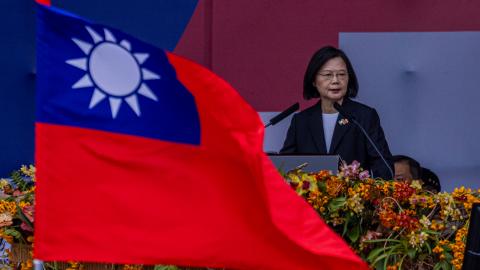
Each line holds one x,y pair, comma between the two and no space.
448,256
443,265
379,266
412,253
337,203
354,233
322,186
19,180
401,261
374,253
429,248
383,256
431,232
405,245
12,232
390,253
345,225
383,240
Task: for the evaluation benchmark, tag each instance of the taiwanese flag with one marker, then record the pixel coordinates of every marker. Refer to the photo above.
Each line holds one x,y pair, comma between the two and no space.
144,157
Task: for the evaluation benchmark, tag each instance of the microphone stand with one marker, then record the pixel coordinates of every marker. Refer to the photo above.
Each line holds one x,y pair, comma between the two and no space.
339,108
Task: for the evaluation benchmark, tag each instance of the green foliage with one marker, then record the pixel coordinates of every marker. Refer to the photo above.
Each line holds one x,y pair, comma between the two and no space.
19,179
391,225
336,204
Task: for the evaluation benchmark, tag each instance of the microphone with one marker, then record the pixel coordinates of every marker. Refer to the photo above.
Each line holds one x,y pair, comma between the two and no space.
283,114
350,117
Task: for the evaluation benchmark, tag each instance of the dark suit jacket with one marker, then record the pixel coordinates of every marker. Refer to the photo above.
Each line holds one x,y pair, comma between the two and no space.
305,136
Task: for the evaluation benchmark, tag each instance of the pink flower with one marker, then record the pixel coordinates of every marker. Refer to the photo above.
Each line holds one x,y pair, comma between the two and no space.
364,175
355,166
5,223
26,227
29,211
370,235
351,170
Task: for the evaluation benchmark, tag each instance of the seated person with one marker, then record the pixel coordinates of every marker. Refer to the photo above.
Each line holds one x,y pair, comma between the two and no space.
407,168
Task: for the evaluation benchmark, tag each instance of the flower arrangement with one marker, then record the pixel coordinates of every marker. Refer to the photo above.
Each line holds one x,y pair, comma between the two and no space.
390,224
17,214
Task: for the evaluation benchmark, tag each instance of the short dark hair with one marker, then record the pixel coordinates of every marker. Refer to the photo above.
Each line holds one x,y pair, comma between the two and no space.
430,179
415,168
317,61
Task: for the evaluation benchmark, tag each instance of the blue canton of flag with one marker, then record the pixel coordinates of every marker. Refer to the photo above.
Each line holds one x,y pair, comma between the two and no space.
96,77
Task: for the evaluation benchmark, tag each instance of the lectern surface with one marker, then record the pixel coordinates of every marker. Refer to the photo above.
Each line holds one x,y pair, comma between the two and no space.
314,163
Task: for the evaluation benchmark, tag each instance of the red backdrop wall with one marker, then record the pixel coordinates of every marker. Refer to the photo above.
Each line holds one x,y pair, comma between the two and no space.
262,46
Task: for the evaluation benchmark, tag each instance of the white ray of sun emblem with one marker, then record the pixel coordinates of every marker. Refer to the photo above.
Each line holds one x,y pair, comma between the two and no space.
114,71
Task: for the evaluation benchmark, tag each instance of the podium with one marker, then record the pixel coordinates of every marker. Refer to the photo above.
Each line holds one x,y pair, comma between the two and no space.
310,163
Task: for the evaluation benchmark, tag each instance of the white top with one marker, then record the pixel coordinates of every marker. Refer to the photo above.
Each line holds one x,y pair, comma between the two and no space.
329,122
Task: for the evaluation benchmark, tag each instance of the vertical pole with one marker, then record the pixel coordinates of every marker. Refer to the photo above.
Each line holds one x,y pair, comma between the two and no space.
471,258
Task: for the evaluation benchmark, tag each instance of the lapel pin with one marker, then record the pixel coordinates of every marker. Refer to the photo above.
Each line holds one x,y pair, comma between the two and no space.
343,121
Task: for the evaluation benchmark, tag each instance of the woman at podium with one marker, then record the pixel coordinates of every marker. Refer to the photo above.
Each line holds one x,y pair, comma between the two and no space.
321,129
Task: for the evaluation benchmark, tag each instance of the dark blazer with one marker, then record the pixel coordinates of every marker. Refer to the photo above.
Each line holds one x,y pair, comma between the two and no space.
305,136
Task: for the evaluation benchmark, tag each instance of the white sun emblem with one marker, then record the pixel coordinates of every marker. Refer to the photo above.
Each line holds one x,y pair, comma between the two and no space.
114,71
